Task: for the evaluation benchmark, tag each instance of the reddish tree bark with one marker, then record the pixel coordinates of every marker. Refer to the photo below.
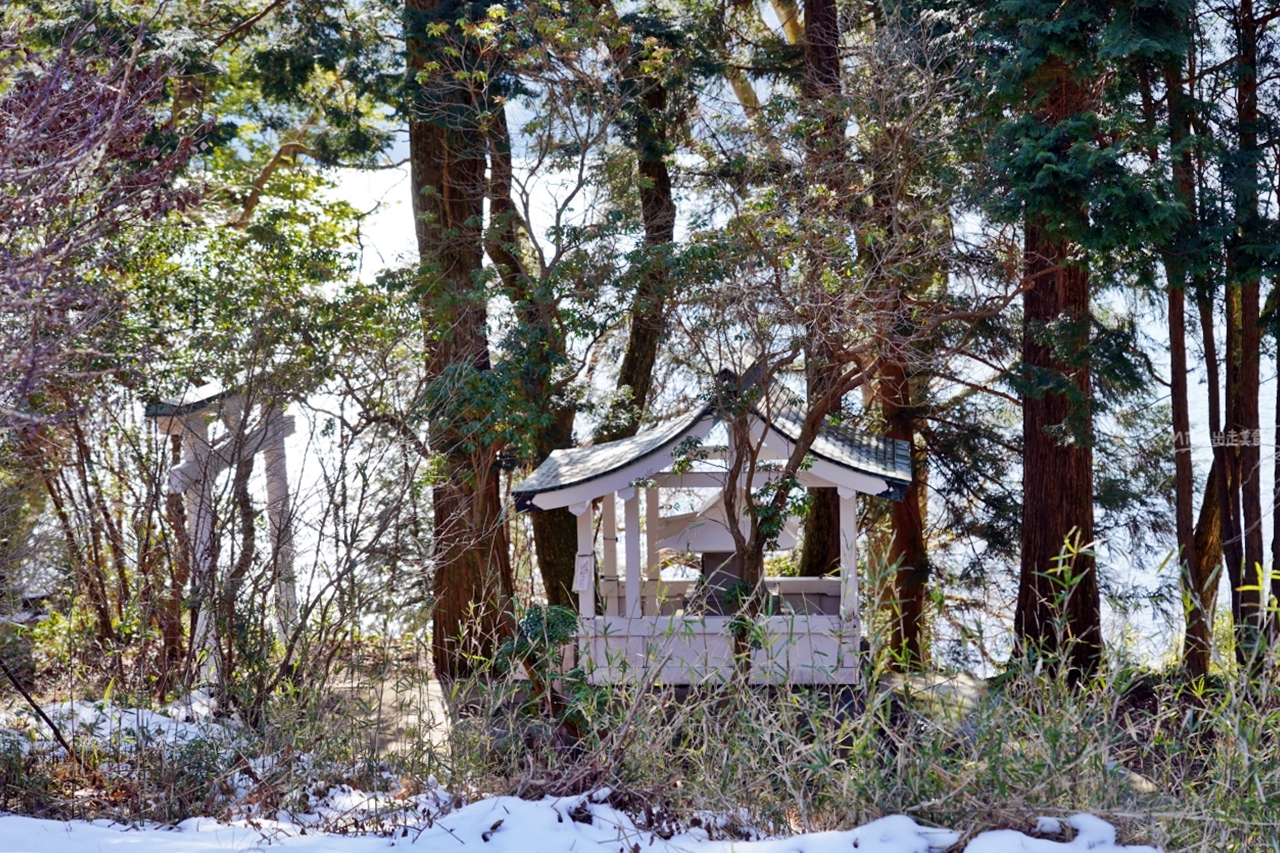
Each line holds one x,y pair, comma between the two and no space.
1058,611
1244,359
448,164
907,549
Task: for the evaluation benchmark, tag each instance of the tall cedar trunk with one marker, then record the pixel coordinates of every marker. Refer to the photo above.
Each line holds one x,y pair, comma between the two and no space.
648,306
820,549
1199,621
472,577
1057,621
821,52
907,548
1054,618
1244,283
555,532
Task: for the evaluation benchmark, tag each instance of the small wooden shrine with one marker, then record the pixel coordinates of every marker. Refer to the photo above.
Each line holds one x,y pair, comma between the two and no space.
634,621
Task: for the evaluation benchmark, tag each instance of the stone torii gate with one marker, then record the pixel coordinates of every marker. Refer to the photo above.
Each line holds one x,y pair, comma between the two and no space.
188,419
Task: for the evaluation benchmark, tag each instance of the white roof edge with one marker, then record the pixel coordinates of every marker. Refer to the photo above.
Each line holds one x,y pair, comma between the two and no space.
592,474
837,475
615,479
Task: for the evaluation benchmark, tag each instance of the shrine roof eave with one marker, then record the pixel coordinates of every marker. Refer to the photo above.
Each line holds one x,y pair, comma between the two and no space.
841,457
576,475
839,448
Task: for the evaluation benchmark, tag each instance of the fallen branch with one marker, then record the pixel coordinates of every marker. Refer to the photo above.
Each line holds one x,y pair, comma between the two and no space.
57,733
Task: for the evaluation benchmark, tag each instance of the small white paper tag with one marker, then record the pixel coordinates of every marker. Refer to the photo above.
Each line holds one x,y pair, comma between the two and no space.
584,573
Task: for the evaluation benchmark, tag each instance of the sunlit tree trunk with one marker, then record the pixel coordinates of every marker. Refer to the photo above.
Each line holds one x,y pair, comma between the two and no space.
1058,611
907,549
447,156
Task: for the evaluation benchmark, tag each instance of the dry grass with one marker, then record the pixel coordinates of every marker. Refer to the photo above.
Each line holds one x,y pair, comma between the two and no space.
1168,767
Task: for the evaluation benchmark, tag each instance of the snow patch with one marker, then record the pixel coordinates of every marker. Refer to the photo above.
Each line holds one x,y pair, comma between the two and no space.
1092,834
1048,826
108,723
511,825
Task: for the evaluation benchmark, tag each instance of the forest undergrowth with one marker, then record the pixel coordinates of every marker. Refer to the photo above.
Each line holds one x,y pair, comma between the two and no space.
1193,768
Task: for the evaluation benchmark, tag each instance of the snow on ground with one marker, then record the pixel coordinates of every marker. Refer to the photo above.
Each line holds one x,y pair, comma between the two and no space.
433,819
124,728
511,825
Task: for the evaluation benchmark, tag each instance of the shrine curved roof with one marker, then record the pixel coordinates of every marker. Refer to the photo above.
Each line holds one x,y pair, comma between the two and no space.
841,444
575,466
881,465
